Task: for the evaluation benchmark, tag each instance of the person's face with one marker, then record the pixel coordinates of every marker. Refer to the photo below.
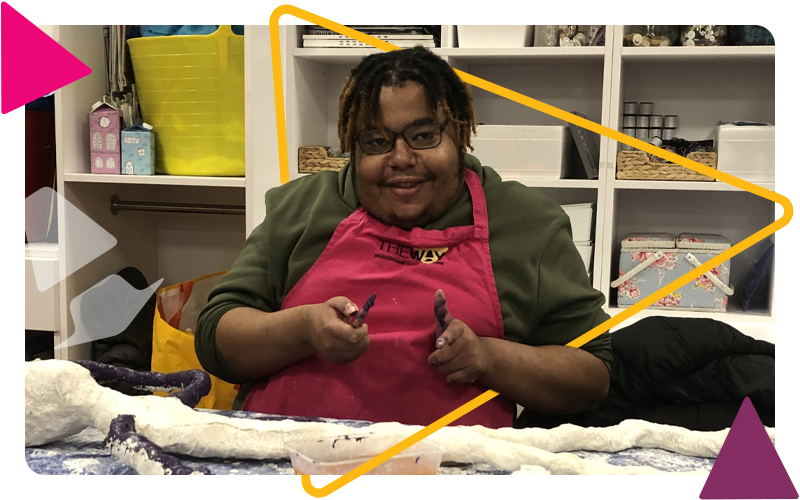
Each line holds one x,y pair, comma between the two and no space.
408,187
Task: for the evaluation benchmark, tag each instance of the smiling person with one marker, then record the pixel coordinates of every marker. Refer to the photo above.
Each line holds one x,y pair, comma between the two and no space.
452,253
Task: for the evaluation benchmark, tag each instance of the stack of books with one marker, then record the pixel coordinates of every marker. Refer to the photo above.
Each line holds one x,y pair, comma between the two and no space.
402,36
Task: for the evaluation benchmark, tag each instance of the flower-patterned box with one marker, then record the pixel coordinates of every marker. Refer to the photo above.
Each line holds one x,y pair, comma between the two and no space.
649,262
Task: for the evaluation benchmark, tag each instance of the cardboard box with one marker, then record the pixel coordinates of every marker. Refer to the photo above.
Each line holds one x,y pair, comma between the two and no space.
104,139
138,150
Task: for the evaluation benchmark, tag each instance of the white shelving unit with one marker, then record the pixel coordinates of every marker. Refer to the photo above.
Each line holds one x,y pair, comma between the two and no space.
702,85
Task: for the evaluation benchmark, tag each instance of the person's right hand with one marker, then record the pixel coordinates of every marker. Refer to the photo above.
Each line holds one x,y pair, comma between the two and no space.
331,334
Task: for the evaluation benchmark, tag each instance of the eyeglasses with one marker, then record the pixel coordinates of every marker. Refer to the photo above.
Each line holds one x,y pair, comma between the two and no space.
376,142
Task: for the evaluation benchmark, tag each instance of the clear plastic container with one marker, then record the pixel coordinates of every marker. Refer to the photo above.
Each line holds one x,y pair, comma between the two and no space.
650,35
338,455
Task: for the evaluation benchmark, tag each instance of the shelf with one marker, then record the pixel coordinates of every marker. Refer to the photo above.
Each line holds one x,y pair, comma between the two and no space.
524,54
556,183
342,55
685,185
41,251
704,55
161,180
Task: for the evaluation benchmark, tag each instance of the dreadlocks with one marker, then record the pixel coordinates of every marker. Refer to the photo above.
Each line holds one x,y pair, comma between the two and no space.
359,102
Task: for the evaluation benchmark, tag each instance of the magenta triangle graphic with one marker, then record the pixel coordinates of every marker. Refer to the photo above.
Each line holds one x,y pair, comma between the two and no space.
33,64
748,466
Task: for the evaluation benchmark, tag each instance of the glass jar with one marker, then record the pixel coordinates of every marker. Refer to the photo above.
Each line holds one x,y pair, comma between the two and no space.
545,36
703,35
570,36
749,35
650,35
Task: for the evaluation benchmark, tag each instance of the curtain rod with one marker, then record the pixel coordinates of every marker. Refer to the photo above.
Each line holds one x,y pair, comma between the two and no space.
118,205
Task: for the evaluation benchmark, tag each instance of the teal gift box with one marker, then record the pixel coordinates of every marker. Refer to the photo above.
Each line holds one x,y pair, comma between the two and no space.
138,150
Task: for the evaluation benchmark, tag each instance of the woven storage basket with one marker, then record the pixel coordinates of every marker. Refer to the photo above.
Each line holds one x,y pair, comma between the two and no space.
637,165
312,159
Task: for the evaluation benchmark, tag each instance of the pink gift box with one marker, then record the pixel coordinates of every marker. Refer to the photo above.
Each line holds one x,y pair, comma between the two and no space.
104,137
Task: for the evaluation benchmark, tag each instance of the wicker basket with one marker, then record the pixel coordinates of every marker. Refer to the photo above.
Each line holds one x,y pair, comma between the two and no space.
637,165
312,159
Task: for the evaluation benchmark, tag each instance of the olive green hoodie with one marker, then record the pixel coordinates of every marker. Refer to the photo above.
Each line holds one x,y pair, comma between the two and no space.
545,294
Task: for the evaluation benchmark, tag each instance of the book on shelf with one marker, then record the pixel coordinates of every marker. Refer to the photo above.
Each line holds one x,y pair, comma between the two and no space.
402,36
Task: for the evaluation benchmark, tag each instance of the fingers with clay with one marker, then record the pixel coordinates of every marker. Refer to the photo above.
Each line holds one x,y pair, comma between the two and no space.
443,319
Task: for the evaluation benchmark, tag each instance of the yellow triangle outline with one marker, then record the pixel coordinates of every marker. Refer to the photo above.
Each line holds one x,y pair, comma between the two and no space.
550,110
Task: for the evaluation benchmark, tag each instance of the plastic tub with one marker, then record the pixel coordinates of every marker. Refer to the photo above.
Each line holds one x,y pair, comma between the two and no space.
191,89
338,455
494,36
524,151
580,218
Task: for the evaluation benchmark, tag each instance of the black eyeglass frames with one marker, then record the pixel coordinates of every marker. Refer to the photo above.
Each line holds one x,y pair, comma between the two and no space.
426,136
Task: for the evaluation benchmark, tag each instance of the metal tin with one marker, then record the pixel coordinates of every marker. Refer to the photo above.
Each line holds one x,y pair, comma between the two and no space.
629,121
642,121
670,121
656,121
668,134
646,108
629,108
642,133
631,132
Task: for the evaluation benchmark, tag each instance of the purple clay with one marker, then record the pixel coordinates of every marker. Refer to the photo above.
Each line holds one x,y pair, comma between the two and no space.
364,310
123,442
440,309
192,385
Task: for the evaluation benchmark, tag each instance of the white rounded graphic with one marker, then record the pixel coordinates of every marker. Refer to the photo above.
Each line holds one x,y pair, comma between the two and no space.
141,151
110,163
104,121
98,162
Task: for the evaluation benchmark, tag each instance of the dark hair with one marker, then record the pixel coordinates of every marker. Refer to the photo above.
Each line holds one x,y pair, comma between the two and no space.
359,102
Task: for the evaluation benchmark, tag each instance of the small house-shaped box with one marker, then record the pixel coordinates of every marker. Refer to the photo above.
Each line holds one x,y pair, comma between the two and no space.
138,150
104,129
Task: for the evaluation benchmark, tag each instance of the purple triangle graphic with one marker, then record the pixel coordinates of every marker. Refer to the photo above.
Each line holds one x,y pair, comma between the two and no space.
748,466
32,63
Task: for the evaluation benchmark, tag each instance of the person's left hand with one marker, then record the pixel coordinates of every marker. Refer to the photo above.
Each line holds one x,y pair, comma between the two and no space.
463,357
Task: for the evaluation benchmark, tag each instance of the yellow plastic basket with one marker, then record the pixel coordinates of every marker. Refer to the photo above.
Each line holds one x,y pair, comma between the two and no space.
191,90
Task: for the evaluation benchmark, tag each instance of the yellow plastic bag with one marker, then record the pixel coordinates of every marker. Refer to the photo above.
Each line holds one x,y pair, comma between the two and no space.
175,320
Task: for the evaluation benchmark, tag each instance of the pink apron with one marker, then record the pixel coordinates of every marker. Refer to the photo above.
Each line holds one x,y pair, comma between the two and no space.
392,380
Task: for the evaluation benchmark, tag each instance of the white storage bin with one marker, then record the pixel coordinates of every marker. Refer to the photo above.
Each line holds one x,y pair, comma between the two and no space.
585,249
747,151
522,151
494,36
580,218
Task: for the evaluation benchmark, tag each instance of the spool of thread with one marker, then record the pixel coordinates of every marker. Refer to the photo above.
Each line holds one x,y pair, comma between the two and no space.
670,121
631,132
668,134
642,121
654,132
629,121
642,133
629,108
646,108
656,121
655,141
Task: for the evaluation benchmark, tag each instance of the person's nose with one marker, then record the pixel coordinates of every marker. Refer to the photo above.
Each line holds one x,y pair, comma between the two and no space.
402,156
